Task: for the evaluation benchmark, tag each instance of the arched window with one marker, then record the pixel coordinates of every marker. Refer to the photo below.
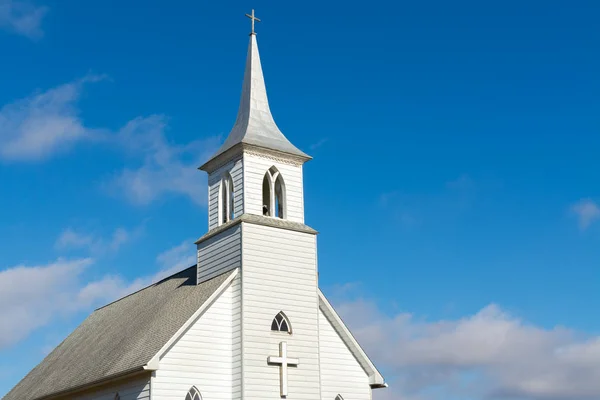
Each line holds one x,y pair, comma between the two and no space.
267,195
339,397
227,199
230,197
279,197
281,323
193,394
274,194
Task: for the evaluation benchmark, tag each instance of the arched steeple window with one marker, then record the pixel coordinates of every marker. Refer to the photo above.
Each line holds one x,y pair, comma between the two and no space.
193,394
339,397
274,194
281,323
227,203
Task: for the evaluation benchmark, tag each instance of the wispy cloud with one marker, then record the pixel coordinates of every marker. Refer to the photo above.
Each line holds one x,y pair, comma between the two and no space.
318,144
45,124
33,296
163,167
22,17
461,183
587,212
95,244
491,354
41,125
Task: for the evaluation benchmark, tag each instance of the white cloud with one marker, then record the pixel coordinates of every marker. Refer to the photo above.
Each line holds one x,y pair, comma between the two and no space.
490,354
47,123
74,239
586,211
164,167
32,295
22,17
36,127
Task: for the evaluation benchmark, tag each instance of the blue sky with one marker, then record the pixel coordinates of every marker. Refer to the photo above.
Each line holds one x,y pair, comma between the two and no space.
454,181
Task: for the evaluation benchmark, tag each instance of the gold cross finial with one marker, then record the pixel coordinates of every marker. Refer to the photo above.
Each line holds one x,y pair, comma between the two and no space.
253,18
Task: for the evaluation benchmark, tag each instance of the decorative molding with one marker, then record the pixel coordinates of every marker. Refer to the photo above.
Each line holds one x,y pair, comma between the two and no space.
258,220
275,156
236,152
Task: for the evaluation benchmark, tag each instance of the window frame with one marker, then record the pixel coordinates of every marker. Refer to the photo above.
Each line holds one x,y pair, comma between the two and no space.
284,320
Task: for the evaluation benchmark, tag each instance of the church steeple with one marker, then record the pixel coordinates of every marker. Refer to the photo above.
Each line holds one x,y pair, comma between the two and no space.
254,125
257,171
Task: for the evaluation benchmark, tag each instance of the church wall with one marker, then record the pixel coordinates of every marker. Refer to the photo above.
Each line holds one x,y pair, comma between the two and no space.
279,274
236,335
236,170
341,373
219,254
133,389
255,168
202,357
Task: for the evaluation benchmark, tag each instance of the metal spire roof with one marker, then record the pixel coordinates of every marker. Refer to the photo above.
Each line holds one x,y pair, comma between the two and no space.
254,124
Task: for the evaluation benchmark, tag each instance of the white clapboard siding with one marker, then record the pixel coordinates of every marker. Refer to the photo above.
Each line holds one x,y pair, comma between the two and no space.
134,389
279,274
255,168
203,356
219,254
214,183
340,371
236,335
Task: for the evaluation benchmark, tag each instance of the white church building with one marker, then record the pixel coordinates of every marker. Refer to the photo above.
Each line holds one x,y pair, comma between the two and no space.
248,321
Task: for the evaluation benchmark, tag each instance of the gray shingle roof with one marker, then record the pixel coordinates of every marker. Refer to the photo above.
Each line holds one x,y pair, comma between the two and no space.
118,338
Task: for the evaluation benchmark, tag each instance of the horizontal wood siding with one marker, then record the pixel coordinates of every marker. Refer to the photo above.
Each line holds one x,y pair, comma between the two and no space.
201,357
134,389
235,168
236,334
219,254
340,371
255,168
279,274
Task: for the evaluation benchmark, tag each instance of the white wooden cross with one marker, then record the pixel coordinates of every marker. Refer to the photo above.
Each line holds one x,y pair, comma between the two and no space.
283,361
253,18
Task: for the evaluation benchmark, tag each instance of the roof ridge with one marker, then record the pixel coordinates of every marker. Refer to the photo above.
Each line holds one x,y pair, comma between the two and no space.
146,287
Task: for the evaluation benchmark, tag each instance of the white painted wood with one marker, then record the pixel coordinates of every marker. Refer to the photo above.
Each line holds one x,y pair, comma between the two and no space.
341,373
284,362
255,167
275,278
235,168
375,378
134,389
219,254
203,356
236,339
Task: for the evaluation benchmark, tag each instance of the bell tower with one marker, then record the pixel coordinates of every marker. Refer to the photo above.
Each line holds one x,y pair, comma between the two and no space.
257,170
256,224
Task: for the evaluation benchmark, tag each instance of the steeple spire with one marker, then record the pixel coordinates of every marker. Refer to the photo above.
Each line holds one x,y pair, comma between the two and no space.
254,124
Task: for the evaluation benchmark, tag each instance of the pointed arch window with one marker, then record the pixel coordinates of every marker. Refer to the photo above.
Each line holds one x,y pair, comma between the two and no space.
193,394
339,397
227,199
274,201
281,323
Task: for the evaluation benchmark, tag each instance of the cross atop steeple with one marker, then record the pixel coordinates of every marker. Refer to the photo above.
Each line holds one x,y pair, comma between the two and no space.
253,18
